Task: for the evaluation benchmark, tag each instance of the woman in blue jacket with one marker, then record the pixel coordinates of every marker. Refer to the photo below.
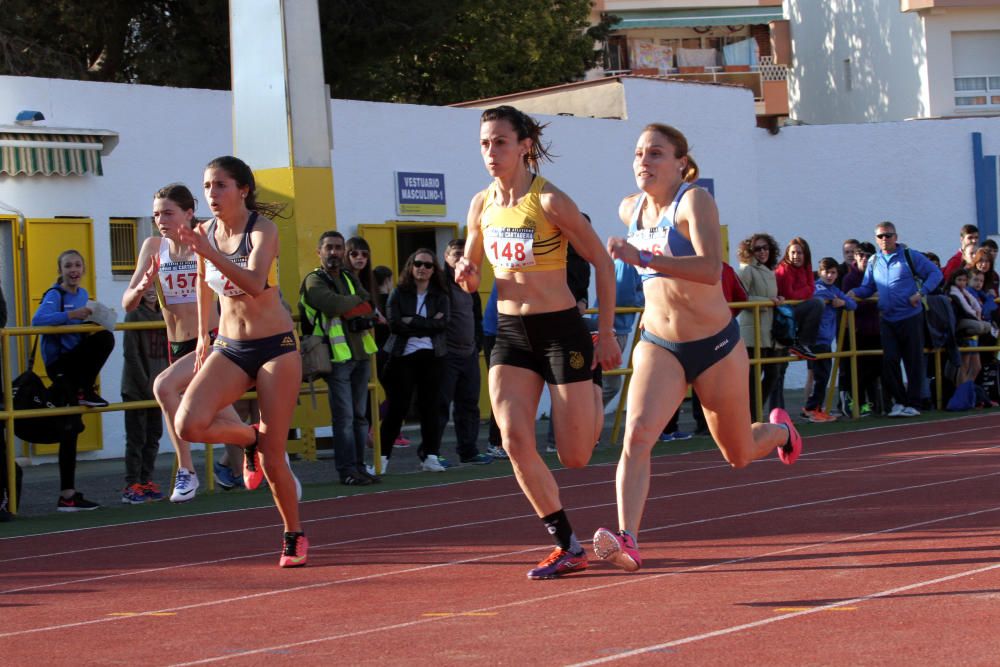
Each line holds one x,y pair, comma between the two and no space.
72,360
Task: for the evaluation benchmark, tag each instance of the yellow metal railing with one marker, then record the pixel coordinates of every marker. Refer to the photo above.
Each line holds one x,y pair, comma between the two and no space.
10,415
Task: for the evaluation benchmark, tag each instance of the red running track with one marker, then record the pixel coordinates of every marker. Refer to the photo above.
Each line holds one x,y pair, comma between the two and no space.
879,546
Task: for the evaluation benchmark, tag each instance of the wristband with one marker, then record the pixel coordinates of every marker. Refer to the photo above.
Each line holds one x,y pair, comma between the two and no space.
645,257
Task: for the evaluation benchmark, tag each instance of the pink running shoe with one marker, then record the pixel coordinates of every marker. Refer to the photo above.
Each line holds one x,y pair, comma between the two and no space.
401,441
788,452
295,551
617,548
558,563
253,474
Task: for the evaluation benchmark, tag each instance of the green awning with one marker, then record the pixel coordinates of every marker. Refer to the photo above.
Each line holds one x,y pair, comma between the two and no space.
689,18
49,154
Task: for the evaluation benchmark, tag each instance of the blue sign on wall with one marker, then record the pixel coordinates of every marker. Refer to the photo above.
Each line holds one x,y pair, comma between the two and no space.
420,194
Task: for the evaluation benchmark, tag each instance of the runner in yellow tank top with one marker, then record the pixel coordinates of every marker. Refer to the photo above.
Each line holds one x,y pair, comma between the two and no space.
522,224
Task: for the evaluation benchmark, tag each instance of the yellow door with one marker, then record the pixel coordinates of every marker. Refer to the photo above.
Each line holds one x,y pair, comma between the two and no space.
43,240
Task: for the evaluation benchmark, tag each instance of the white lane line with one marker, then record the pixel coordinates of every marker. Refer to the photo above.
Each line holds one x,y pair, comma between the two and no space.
491,556
627,581
434,529
439,505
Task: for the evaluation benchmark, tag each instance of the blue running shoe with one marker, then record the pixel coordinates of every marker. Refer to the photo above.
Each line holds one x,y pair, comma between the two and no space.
559,563
226,478
478,459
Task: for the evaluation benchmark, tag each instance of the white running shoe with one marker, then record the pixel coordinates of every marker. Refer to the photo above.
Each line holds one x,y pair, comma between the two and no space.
185,486
909,412
370,469
897,410
431,464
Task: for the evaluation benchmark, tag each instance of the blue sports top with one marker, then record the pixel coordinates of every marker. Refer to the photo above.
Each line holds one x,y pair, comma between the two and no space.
663,238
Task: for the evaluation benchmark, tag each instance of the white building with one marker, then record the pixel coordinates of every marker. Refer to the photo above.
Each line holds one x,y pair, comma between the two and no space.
826,183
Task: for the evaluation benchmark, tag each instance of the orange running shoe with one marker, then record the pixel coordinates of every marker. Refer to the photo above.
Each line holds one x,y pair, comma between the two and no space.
295,551
558,563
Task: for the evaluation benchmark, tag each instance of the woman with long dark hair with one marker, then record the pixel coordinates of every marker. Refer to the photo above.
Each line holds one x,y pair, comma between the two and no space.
523,224
758,255
418,315
256,345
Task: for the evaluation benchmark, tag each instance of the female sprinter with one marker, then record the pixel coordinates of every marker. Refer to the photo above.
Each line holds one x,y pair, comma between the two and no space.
256,345
689,335
170,266
522,223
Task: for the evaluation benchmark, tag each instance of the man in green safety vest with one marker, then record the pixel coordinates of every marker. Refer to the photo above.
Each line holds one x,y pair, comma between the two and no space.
334,304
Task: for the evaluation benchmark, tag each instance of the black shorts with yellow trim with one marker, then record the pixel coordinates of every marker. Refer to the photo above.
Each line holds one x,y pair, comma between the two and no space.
556,346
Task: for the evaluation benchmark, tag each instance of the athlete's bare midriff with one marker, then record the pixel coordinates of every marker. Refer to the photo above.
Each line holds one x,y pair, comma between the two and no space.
247,318
681,310
532,292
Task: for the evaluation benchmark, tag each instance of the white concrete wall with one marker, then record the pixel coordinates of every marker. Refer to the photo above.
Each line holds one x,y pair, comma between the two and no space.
824,182
887,52
939,27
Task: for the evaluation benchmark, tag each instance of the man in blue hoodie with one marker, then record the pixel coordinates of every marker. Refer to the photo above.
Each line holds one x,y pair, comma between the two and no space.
902,278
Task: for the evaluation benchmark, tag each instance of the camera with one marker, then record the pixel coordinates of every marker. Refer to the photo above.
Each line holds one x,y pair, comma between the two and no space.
359,324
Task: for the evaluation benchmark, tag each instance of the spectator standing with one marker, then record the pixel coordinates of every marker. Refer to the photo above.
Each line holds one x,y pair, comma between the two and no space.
145,354
74,360
418,312
461,379
901,329
848,248
334,303
834,300
758,255
968,240
866,334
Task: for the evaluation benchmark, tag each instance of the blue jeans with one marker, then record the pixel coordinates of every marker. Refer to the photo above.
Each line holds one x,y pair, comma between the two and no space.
821,377
460,388
904,341
348,393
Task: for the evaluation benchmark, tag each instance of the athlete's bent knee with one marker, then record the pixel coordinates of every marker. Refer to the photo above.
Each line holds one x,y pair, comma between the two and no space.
574,459
190,425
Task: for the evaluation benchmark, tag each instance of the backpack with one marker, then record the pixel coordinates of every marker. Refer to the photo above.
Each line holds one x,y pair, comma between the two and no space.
783,329
29,393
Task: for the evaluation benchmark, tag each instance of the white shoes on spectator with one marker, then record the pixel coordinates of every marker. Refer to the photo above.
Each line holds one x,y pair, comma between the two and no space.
903,411
185,486
385,466
431,464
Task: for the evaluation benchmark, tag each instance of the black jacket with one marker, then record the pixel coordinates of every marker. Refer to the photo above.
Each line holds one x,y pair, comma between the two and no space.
403,303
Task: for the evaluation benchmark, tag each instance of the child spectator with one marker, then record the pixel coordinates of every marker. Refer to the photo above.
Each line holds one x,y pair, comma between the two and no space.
145,358
987,300
970,324
74,360
833,299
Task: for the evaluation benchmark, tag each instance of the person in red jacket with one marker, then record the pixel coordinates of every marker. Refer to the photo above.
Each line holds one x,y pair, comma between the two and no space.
970,239
794,275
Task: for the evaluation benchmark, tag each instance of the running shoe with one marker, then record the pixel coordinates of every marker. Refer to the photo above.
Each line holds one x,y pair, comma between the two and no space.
897,410
478,459
294,553
91,399
253,474
909,411
558,563
432,464
497,452
675,435
818,416
401,441
152,491
185,486
133,494
802,352
75,504
619,549
867,409
788,452
226,478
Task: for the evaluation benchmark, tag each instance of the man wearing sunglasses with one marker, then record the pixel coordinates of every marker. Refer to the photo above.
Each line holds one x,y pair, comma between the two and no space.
902,277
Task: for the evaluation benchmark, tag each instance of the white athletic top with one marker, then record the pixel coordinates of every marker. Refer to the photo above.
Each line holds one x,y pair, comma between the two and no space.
178,279
214,278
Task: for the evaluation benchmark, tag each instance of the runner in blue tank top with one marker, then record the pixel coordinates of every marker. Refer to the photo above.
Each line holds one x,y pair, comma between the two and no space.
689,336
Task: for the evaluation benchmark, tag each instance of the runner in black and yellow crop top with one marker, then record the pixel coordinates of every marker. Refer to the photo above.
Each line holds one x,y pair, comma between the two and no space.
256,345
523,224
521,238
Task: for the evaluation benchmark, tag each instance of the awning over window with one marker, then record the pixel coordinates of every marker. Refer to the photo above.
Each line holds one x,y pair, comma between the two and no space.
50,151
689,18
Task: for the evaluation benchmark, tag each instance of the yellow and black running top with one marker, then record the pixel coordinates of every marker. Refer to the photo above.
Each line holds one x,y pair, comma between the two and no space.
521,238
